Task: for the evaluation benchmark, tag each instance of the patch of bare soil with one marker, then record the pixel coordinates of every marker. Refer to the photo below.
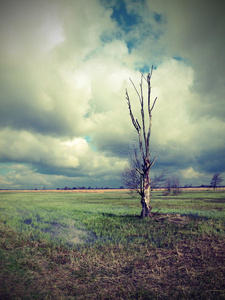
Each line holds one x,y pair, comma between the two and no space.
171,218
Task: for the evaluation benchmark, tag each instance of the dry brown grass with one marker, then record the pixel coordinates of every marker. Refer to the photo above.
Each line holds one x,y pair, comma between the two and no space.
194,269
69,191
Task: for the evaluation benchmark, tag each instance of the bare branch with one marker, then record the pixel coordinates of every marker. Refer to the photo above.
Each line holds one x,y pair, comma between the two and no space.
149,110
154,159
138,125
154,103
139,171
143,115
135,123
142,98
140,144
143,76
132,180
150,74
158,179
149,93
136,90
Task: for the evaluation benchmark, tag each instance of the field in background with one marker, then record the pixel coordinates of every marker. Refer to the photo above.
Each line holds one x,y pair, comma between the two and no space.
188,189
93,245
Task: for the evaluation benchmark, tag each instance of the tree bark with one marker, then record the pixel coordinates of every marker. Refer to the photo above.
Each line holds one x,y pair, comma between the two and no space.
145,200
146,209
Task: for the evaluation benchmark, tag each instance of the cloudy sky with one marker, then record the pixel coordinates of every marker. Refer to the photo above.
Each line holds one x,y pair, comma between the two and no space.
64,68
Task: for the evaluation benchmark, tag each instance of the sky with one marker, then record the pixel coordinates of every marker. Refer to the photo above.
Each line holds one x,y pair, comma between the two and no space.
64,69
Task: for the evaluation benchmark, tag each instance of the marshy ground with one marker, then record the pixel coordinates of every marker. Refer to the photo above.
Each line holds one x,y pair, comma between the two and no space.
95,246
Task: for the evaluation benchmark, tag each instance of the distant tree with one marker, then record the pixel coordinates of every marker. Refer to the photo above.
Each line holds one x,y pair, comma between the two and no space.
167,187
216,180
144,134
172,185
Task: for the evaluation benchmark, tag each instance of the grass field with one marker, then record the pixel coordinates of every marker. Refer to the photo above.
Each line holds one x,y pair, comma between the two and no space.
70,245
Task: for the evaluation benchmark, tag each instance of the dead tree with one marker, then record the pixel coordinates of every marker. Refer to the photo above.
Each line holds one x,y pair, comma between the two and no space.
144,134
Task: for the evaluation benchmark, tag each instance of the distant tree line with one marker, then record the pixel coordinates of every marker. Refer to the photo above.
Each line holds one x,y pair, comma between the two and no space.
88,188
171,185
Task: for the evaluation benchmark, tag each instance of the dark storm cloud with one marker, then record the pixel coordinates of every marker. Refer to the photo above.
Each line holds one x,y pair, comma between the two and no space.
27,104
211,161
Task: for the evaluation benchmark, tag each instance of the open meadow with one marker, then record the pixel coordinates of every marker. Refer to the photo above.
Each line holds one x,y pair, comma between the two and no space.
73,245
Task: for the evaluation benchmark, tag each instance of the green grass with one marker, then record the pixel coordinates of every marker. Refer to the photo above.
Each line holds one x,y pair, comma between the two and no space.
95,246
104,217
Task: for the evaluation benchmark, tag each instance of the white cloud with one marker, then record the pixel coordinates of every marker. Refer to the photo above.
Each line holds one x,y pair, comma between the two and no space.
29,28
190,173
22,176
52,156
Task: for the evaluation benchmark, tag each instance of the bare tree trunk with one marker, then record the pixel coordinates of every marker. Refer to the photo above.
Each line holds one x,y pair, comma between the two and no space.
146,209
